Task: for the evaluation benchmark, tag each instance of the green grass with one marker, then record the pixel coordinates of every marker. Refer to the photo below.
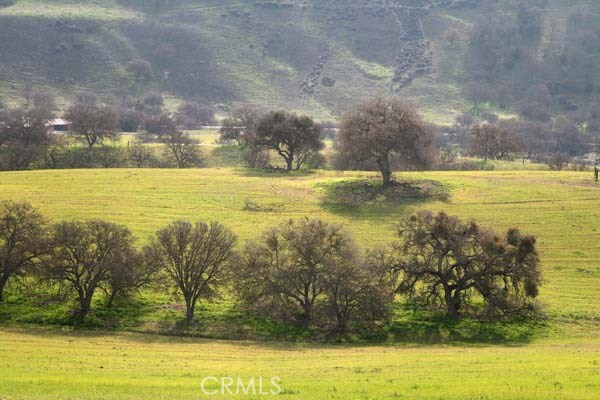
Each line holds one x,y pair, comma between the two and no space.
102,11
55,364
555,358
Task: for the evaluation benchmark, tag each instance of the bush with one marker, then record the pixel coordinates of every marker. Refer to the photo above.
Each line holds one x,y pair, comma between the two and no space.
256,157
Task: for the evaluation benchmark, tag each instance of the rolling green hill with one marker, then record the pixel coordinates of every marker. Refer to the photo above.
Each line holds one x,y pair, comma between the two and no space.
557,359
560,208
316,56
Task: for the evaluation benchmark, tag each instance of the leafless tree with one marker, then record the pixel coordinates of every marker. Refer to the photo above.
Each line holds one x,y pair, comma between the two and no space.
492,141
182,149
287,270
140,154
240,126
85,254
23,240
195,257
23,137
136,271
92,122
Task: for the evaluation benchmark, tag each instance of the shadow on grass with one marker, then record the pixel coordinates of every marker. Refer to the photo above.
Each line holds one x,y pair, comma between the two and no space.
147,320
272,173
369,198
224,156
466,330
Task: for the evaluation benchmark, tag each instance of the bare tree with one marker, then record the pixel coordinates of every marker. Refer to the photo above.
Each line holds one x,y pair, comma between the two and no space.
240,126
92,122
110,156
293,137
384,128
140,154
85,254
287,270
136,271
23,240
195,257
182,149
355,294
492,141
54,151
446,261
23,137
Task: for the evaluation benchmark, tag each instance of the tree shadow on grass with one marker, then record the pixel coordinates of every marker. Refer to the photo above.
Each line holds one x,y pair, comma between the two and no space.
369,198
430,328
278,173
152,322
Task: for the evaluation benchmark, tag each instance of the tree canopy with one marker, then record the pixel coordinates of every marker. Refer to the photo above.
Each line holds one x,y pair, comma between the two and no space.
382,130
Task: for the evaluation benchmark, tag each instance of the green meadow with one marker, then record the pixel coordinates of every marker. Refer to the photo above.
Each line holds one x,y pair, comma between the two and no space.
47,364
557,357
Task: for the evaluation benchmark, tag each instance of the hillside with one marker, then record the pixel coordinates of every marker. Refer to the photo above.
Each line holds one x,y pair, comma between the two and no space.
316,56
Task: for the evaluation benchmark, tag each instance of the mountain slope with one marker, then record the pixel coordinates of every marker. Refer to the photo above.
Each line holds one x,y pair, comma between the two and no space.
316,56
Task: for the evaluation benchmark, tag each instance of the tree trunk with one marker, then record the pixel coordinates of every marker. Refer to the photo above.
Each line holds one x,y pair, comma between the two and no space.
307,314
85,305
386,170
189,308
111,298
452,302
290,163
3,280
342,323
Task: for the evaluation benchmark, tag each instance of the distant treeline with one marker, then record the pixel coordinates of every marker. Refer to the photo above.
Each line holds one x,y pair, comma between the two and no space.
384,134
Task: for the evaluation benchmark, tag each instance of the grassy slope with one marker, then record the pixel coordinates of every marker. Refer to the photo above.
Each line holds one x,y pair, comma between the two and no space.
233,53
59,365
561,361
560,208
240,52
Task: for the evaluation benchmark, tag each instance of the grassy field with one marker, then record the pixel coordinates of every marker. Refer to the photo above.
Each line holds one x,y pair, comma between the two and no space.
557,359
42,364
561,208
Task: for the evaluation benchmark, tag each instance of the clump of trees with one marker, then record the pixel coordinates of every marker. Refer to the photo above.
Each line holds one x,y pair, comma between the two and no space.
490,141
88,254
91,121
297,139
306,272
442,260
23,137
310,271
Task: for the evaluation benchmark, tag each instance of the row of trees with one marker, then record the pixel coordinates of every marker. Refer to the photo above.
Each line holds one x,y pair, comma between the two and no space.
486,137
307,271
25,137
381,134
